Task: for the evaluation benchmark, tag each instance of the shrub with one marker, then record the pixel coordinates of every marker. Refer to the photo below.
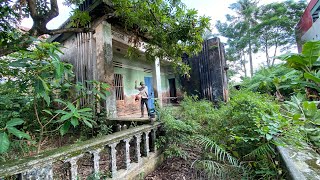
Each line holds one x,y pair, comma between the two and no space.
39,97
237,137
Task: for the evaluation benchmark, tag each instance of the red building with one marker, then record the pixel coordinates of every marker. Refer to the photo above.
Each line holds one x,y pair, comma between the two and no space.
308,28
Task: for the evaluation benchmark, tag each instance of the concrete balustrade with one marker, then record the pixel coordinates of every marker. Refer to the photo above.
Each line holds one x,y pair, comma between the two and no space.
138,153
41,166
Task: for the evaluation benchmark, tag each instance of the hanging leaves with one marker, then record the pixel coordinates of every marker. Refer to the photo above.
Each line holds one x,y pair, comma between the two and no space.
169,27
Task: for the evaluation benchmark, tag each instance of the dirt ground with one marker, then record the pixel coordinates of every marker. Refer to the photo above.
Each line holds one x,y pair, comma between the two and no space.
172,169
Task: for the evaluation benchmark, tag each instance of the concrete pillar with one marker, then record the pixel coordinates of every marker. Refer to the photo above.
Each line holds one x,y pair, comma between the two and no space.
127,141
96,158
153,140
74,167
146,143
137,146
113,161
157,81
105,70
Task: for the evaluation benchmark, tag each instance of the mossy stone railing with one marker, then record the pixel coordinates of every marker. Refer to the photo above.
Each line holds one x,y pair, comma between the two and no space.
300,163
128,142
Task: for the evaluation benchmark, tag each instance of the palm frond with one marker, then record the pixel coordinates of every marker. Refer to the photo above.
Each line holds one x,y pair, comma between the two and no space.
220,152
211,168
260,151
214,169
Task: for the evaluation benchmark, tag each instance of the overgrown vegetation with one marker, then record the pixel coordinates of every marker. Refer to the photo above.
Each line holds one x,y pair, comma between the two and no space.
278,106
255,27
237,139
40,99
296,82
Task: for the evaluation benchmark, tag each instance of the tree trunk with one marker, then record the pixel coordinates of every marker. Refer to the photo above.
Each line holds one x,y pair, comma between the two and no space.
243,63
267,53
275,53
250,58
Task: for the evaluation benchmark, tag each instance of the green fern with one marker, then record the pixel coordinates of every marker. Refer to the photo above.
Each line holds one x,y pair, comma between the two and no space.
260,151
217,170
221,154
211,168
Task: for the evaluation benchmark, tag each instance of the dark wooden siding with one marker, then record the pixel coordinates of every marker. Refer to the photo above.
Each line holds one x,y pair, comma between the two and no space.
208,77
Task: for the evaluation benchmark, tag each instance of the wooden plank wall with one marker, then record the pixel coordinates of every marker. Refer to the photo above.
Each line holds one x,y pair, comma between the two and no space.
85,62
208,72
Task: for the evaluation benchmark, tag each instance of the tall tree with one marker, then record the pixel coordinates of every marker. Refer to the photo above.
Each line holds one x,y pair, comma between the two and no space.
277,26
244,18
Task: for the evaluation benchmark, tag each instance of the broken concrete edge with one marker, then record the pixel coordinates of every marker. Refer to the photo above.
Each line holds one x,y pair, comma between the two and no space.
61,154
300,163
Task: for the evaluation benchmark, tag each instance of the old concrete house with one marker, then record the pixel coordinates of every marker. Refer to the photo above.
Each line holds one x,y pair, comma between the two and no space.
101,55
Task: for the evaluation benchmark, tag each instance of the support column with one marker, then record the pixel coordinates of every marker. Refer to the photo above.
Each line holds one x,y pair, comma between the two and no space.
146,143
157,81
96,159
105,70
137,144
127,141
74,167
153,140
113,161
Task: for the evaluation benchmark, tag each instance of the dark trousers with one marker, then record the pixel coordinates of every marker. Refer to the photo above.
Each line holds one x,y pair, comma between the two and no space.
144,101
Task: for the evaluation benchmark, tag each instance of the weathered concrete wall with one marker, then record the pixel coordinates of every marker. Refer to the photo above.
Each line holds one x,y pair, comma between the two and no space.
303,32
313,33
301,163
105,70
69,50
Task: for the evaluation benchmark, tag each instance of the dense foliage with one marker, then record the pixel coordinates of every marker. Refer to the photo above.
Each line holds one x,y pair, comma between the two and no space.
265,28
237,139
296,82
39,98
169,27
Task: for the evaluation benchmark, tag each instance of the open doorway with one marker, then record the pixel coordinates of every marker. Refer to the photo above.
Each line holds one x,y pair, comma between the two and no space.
173,90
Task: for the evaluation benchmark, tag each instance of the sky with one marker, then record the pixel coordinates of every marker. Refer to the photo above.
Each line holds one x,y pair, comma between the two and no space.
215,9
